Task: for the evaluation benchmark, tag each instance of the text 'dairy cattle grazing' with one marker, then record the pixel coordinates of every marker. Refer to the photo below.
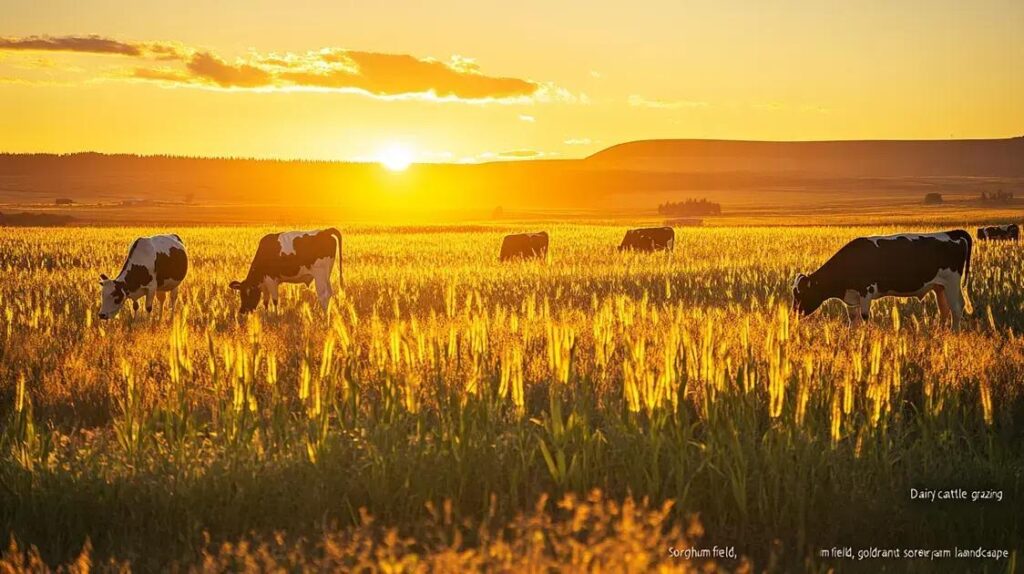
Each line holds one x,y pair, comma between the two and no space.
524,246
905,265
155,266
649,239
1009,232
292,257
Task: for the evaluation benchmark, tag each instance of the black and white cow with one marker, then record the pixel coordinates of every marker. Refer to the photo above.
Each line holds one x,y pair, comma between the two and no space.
155,266
1010,232
292,257
905,265
524,246
649,239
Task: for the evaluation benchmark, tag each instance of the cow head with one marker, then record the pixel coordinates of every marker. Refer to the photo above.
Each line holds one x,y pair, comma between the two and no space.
807,295
113,296
250,294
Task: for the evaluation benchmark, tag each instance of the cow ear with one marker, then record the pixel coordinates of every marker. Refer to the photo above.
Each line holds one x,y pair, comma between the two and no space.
236,285
103,278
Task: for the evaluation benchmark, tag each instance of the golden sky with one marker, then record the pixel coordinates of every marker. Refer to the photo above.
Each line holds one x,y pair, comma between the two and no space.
475,81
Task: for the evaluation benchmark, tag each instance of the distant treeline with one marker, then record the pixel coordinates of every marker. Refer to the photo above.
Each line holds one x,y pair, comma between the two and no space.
690,207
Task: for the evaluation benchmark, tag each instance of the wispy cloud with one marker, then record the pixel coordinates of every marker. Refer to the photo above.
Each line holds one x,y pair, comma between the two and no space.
88,44
510,155
579,141
638,101
91,44
527,118
376,74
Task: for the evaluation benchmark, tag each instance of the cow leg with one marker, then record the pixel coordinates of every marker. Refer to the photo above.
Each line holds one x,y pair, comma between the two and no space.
942,299
853,302
955,298
149,300
174,298
267,301
865,308
323,290
274,289
161,297
270,293
853,311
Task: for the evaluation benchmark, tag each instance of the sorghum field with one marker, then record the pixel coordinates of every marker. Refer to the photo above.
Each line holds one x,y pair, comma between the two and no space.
450,413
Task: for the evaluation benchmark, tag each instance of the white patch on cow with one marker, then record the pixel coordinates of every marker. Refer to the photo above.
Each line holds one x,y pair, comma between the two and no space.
945,277
851,297
943,236
671,244
287,240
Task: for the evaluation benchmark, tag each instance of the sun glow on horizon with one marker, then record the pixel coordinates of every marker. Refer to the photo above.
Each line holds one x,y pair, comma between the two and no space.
395,157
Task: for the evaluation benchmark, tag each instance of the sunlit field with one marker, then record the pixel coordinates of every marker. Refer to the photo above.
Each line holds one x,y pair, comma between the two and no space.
453,413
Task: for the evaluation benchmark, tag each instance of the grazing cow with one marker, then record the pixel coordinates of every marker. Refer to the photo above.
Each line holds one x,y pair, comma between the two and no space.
292,257
905,265
525,246
649,239
155,265
1009,232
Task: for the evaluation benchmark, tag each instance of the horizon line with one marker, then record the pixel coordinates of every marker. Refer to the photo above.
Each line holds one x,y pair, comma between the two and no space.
490,161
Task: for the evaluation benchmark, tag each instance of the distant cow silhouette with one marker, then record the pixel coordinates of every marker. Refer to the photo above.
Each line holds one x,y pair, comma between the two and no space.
1009,232
524,246
649,239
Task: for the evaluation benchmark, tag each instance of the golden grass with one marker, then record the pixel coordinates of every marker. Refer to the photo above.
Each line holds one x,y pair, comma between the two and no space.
439,374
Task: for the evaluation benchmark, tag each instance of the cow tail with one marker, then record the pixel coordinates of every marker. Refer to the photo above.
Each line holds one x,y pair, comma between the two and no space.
968,306
337,237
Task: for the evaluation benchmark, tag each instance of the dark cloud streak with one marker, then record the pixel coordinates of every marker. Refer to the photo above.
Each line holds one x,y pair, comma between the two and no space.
87,44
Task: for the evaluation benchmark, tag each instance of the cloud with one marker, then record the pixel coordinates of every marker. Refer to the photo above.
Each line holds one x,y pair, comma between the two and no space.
93,44
579,141
399,74
527,118
206,66
88,44
377,74
642,102
511,155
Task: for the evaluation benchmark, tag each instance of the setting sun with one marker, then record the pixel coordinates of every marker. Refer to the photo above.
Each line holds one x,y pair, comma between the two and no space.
395,157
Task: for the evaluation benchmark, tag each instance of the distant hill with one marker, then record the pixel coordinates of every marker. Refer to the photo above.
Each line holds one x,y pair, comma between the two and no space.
634,176
982,157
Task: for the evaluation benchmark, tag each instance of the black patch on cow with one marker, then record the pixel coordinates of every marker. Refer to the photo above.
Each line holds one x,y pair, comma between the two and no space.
136,278
895,264
131,251
269,261
118,295
170,266
1009,232
648,239
524,245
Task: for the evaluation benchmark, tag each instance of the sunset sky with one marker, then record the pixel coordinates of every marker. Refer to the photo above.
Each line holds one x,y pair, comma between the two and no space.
478,81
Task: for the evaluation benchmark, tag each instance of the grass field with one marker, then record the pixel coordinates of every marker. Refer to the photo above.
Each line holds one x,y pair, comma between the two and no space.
450,412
